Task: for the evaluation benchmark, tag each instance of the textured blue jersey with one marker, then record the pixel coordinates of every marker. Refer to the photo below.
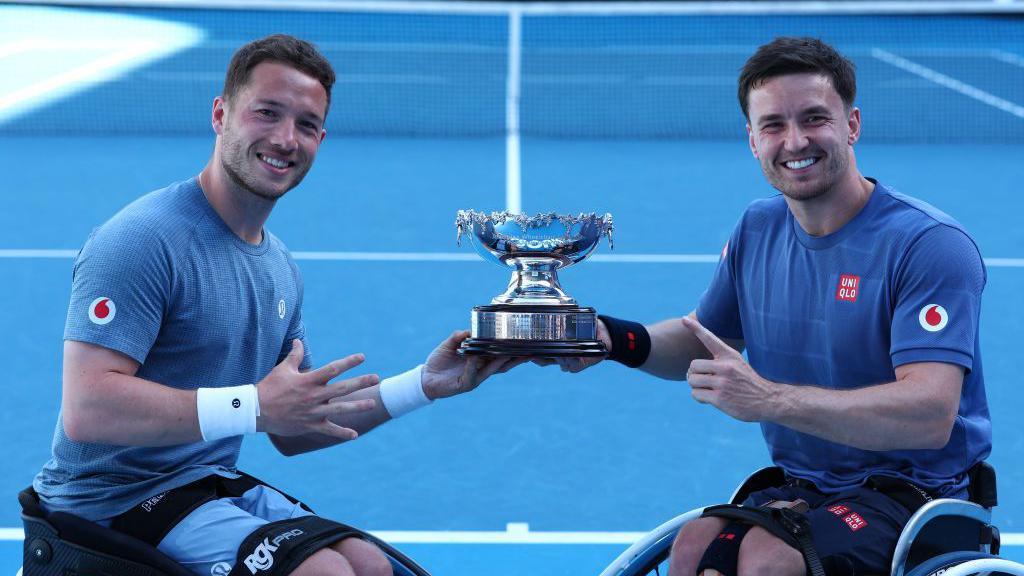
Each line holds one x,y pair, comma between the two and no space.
166,282
899,283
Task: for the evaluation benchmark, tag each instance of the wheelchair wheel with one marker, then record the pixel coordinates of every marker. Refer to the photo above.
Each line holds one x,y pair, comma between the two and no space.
966,563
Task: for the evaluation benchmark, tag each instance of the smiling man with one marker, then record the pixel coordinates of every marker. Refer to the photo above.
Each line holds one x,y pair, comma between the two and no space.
185,333
858,307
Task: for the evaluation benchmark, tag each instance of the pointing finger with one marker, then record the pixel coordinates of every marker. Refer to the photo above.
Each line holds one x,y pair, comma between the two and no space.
341,407
328,428
713,343
332,369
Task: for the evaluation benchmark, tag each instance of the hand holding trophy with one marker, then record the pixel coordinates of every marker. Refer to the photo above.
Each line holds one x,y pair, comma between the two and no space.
534,316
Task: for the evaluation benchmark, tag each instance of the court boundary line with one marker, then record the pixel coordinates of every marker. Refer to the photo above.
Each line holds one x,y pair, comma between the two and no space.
948,82
839,7
46,254
514,533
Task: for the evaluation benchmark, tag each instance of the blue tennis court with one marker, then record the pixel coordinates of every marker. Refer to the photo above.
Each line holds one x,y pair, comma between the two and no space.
537,472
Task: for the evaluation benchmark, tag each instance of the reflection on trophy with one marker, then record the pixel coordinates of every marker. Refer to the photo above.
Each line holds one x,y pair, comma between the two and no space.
534,316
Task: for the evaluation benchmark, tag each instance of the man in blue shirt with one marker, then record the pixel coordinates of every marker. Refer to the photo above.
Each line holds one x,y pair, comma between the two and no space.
858,308
185,333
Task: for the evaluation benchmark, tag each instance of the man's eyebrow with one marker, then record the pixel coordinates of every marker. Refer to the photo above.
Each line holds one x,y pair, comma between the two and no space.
768,118
276,104
816,109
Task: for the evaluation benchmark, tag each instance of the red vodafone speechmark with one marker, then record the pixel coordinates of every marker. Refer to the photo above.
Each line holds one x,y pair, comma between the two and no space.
933,317
101,310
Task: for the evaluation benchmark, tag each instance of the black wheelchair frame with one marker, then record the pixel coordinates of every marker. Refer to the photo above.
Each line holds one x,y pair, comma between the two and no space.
62,544
945,536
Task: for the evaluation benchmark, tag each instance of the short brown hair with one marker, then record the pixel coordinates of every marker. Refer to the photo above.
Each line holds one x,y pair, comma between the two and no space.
282,48
789,55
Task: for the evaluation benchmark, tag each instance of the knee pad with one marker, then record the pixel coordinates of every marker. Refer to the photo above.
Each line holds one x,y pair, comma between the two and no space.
276,549
788,525
723,552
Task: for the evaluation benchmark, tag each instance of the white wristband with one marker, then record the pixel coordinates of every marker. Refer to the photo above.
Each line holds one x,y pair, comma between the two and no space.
226,412
403,393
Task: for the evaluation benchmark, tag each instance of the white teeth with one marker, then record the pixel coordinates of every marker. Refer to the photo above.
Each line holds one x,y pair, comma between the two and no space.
798,164
274,162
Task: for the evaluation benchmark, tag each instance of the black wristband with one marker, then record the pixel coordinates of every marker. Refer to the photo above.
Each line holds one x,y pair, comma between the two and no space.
631,344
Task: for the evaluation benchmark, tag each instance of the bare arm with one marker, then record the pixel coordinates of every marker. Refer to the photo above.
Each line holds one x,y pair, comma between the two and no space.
674,346
917,411
445,374
104,402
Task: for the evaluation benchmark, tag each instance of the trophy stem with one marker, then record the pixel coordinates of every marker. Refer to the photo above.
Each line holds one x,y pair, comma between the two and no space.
535,282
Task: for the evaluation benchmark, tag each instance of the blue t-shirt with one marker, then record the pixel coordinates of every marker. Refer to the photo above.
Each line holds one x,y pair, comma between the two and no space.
899,283
166,282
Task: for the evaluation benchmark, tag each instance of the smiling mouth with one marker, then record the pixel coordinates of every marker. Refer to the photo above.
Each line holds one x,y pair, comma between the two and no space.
274,162
801,163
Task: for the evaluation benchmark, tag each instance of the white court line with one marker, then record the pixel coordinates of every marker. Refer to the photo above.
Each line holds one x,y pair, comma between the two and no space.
515,533
513,188
467,257
88,72
1008,57
948,82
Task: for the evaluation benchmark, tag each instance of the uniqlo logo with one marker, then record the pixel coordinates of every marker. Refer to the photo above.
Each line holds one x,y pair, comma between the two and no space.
838,509
726,536
854,521
848,287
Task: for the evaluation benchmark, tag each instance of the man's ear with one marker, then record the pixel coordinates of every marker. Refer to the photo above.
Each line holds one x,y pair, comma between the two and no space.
854,123
218,114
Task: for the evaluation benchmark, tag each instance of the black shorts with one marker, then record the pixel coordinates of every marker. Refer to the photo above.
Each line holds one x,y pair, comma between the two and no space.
861,525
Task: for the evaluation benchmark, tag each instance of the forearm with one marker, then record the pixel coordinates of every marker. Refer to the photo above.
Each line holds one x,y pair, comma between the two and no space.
124,410
361,422
673,348
892,416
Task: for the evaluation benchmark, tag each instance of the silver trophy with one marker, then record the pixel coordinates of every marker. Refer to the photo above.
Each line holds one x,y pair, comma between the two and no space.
534,316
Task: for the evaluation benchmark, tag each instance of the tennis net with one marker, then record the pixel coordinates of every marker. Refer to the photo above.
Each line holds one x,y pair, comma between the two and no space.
927,72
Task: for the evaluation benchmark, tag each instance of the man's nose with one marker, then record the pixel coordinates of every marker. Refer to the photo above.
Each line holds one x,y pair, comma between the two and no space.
283,136
795,138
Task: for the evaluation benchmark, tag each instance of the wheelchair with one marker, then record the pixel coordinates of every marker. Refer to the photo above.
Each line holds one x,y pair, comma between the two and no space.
946,537
62,544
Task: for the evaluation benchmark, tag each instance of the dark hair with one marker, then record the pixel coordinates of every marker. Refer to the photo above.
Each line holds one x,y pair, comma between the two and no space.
282,48
789,55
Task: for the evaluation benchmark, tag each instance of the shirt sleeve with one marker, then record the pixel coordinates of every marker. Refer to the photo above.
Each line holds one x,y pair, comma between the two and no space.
938,300
718,309
120,289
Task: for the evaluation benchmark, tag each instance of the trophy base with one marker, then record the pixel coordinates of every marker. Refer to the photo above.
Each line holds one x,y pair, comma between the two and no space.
552,331
536,349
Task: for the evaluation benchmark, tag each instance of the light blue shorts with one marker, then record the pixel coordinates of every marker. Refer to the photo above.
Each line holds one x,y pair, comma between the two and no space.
206,542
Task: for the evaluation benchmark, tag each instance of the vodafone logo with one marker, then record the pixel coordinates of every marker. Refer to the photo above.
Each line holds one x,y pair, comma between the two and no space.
102,310
933,318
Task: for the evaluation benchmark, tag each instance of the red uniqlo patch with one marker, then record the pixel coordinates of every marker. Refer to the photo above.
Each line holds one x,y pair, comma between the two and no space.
726,536
854,521
632,340
848,287
838,509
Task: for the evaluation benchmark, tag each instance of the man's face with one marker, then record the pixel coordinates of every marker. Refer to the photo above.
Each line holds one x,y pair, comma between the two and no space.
801,134
271,129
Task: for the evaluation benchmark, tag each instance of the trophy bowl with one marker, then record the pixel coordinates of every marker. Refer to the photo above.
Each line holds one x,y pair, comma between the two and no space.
533,316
